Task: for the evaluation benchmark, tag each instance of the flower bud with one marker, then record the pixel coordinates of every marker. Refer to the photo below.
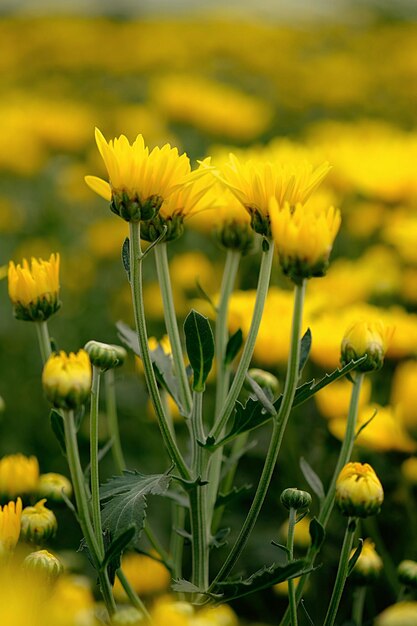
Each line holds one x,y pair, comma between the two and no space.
359,492
407,573
172,227
44,563
366,338
128,616
66,379
52,487
368,566
104,355
400,614
34,288
265,380
293,498
235,235
38,524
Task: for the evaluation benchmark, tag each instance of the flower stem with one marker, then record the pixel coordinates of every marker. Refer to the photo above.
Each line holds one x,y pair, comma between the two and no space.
44,340
261,293
139,312
359,596
341,573
162,268
132,595
279,425
291,587
111,406
95,481
177,540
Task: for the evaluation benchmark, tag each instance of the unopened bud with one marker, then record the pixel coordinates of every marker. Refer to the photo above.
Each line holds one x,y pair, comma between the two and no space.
265,380
407,573
66,379
366,338
52,487
293,498
38,524
368,566
45,563
104,355
359,492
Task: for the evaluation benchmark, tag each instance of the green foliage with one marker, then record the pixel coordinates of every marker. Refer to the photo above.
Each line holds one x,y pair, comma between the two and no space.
305,347
312,479
233,346
200,347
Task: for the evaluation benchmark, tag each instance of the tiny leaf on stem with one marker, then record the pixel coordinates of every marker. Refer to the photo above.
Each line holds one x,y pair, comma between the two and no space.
200,347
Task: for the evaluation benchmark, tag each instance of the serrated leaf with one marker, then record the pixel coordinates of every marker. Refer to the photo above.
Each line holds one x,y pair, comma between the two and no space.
185,586
262,579
224,499
117,547
126,257
305,347
317,533
312,479
355,556
200,347
220,538
124,499
233,346
261,396
58,428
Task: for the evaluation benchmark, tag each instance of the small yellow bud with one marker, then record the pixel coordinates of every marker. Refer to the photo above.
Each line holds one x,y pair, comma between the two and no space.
128,616
66,379
359,492
38,523
370,338
368,566
10,515
44,563
407,573
104,355
34,288
51,486
293,498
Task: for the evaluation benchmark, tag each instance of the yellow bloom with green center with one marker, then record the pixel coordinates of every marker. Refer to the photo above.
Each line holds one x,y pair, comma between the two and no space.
66,379
38,523
34,288
369,338
359,492
19,475
139,179
10,515
368,566
255,182
303,238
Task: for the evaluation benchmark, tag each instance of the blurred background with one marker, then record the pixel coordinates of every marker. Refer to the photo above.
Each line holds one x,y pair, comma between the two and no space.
290,80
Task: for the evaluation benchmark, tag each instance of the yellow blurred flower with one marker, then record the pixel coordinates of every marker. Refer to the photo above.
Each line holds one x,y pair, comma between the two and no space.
404,393
54,487
333,400
34,288
400,614
302,537
105,238
10,515
66,379
368,566
19,475
409,470
145,574
366,338
359,492
303,237
166,611
70,603
221,615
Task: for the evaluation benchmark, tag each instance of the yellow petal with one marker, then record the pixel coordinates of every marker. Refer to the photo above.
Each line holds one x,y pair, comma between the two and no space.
100,186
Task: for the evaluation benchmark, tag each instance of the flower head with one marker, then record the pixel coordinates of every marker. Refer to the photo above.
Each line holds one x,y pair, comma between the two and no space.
407,573
38,523
19,475
400,614
34,288
139,180
368,566
44,563
66,379
105,356
10,515
366,338
359,492
303,237
54,487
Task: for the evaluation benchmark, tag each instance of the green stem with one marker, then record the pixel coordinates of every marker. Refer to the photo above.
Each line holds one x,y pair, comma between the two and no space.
44,340
83,513
359,596
279,425
342,572
156,545
139,312
113,424
261,293
132,595
95,481
162,268
291,586
177,540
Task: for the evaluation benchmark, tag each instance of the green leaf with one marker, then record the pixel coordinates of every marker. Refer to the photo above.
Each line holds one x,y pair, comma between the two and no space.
57,425
355,556
126,257
224,499
204,295
312,478
262,579
200,347
233,346
117,547
317,533
185,586
281,547
305,347
220,538
261,396
368,421
124,499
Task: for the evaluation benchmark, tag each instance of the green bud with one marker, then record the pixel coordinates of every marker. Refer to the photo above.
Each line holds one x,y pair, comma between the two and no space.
293,498
38,524
265,380
45,563
235,235
407,573
260,223
132,209
172,226
53,486
104,355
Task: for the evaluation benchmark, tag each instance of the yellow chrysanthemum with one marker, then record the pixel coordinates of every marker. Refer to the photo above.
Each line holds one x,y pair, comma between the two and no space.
303,237
19,475
366,338
145,574
34,288
400,614
359,492
10,515
66,379
255,182
139,180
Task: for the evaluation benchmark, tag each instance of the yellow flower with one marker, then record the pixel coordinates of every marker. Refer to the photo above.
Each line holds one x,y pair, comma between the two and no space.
38,524
333,400
255,182
221,615
303,237
71,602
44,563
409,470
19,475
404,393
400,614
368,566
10,515
34,288
370,338
139,180
145,574
166,611
66,379
359,492
54,486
